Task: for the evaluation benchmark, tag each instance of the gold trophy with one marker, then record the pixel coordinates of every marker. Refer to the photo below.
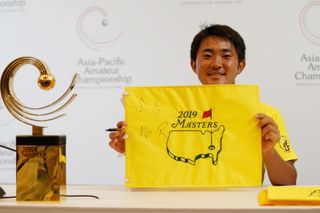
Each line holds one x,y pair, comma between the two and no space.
40,159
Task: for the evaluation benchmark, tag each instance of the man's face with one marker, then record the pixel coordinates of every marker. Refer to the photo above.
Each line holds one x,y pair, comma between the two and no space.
217,61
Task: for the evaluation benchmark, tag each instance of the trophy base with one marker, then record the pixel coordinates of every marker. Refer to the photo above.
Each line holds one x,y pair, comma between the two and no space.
40,167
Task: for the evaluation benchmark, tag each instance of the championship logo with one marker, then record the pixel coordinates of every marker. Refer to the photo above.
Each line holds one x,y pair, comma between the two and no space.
96,28
309,22
195,136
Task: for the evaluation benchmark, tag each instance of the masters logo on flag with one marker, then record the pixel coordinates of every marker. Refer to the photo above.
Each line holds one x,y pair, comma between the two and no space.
208,132
193,136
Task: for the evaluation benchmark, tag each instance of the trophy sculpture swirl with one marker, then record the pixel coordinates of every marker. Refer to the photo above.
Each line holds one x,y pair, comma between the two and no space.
40,159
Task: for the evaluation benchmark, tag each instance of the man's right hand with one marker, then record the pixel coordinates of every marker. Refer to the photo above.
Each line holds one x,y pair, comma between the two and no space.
117,138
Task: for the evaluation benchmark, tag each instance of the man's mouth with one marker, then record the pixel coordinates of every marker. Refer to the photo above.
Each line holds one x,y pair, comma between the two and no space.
215,74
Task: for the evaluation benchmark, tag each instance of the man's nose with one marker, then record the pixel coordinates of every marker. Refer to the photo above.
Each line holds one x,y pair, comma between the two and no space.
216,62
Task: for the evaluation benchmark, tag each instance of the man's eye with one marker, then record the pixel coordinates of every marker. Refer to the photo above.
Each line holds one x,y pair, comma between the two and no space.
227,56
206,55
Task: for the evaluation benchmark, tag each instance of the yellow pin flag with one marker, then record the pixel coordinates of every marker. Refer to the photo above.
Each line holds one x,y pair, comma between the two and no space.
193,136
289,195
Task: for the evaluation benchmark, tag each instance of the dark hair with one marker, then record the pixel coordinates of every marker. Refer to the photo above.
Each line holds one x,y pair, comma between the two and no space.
223,31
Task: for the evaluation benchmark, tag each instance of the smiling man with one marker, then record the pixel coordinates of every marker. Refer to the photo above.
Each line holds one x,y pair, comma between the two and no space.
215,60
217,57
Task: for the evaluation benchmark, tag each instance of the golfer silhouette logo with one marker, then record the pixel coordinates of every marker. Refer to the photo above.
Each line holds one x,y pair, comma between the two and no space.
283,143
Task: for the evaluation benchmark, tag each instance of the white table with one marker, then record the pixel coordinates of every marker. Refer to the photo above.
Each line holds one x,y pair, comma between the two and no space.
120,199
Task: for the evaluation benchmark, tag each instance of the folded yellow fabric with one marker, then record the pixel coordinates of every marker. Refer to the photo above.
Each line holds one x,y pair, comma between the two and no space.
290,195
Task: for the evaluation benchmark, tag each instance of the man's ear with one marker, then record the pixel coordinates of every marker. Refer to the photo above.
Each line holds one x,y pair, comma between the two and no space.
193,66
241,66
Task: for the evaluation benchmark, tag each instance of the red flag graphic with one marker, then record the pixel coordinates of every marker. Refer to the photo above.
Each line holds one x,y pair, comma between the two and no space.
207,114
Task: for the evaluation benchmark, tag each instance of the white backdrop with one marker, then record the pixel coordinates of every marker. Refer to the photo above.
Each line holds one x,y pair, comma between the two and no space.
118,43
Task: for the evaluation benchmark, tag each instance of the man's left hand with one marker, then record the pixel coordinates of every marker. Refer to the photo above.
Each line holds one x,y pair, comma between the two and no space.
270,133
